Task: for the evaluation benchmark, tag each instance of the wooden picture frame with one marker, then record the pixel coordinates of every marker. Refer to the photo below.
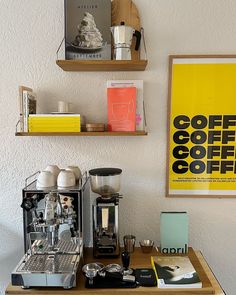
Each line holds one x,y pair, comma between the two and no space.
201,153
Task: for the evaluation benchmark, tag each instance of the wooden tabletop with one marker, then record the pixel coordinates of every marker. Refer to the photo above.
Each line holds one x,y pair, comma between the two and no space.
138,260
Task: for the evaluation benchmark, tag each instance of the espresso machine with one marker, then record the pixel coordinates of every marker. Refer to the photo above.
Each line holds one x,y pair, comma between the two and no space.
122,37
53,221
106,183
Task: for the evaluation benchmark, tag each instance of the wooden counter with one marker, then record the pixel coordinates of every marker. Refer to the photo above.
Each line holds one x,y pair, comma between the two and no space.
138,259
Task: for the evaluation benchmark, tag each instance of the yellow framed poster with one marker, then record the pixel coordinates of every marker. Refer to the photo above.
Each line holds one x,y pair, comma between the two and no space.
202,126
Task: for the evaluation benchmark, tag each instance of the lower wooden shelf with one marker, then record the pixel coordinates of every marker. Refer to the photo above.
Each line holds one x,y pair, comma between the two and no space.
106,133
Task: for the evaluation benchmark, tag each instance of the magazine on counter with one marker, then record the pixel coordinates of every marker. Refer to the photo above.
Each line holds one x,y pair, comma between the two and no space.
175,272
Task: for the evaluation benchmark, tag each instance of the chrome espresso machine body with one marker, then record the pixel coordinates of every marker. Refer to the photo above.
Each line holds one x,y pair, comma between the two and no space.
53,235
106,183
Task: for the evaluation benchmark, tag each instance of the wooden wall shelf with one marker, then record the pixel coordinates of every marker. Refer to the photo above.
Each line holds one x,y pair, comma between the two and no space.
102,65
106,133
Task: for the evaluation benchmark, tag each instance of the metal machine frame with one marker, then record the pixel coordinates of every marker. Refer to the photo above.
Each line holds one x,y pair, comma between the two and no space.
42,265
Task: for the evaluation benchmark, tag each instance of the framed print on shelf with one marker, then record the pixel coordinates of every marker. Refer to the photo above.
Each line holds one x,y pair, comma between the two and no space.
202,126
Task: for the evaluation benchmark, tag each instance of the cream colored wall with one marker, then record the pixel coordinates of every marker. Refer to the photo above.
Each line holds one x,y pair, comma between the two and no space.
30,33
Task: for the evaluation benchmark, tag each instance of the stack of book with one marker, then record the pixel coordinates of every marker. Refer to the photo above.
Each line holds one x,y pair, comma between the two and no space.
54,123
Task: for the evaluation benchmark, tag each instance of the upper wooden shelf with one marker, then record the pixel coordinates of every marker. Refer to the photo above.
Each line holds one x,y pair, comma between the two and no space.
102,65
106,133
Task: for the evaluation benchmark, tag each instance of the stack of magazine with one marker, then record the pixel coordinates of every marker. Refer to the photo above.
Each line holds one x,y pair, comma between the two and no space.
175,272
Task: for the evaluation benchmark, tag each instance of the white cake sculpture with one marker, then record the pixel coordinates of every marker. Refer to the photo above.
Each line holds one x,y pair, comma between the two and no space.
89,36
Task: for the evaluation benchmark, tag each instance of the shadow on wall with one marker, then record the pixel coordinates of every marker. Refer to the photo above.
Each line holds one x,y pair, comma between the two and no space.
11,250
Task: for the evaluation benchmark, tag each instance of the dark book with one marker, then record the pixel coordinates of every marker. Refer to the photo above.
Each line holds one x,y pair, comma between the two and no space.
87,29
29,107
175,272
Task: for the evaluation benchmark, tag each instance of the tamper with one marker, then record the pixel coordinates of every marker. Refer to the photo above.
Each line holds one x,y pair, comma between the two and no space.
125,256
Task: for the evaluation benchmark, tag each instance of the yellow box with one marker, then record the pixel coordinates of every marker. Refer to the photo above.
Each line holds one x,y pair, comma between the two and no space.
54,123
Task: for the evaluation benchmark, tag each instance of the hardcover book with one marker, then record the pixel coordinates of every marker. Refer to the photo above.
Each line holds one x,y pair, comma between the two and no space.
175,272
21,105
121,105
29,107
87,29
54,123
140,113
174,232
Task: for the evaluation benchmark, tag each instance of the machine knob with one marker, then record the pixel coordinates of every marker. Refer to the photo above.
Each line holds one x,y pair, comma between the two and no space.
27,204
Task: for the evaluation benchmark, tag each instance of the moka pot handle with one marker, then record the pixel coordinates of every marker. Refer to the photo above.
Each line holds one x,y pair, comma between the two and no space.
138,35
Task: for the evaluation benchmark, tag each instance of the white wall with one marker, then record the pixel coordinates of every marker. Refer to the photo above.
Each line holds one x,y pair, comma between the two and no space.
30,32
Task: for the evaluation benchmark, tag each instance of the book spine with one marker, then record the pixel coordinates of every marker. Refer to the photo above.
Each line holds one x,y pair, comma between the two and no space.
154,268
25,111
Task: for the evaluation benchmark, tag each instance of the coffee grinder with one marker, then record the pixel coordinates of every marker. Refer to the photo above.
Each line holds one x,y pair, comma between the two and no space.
106,183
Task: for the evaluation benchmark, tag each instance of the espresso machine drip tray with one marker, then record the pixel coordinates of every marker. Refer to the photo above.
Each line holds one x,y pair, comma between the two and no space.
47,271
48,263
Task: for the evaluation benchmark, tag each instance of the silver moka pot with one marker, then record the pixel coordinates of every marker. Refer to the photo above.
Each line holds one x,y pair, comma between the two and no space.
123,36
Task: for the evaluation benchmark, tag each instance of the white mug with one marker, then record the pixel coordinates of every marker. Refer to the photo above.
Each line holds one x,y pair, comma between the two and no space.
76,171
63,106
45,179
54,169
66,178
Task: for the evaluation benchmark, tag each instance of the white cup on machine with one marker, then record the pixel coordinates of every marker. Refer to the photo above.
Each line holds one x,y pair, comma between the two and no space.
65,179
54,169
45,179
63,106
76,171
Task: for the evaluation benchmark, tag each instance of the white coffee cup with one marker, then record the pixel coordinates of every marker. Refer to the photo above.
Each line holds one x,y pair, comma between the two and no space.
66,178
63,106
76,171
54,169
45,179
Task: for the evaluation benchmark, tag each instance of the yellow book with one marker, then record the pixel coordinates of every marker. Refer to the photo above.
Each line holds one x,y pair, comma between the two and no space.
54,123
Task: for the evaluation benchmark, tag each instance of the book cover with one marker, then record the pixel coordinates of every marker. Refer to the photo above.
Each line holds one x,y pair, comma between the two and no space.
174,232
21,106
121,106
29,107
87,29
140,114
175,272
